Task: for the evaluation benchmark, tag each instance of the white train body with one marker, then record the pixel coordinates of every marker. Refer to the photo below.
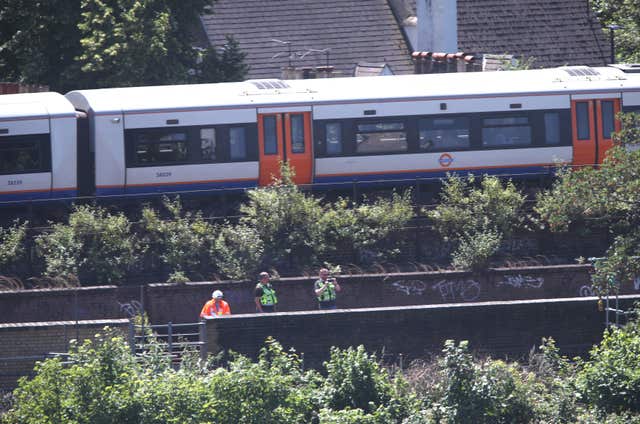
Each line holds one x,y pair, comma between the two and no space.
37,147
333,131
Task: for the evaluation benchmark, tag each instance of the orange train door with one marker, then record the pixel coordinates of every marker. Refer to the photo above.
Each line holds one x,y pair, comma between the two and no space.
593,122
285,137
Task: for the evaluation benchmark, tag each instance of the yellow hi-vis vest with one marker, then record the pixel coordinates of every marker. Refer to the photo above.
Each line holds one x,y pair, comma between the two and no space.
268,297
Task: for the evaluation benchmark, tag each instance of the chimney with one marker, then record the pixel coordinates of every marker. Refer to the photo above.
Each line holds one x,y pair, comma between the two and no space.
437,25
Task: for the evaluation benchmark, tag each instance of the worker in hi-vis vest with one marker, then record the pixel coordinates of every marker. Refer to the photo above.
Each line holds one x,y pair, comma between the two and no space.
265,295
215,307
325,289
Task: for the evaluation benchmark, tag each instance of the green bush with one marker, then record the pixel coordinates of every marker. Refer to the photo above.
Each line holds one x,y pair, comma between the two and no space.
369,229
491,392
287,221
475,218
475,251
179,245
238,251
96,388
610,380
95,246
12,246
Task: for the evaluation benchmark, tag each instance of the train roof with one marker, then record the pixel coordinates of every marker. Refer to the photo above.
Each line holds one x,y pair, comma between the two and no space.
265,93
34,106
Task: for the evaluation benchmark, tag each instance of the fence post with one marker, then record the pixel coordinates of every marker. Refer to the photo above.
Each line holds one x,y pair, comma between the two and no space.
132,337
203,340
170,337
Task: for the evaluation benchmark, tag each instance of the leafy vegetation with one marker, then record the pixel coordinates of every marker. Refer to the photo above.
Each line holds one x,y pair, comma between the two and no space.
93,43
102,382
477,217
603,197
12,246
95,246
281,227
626,15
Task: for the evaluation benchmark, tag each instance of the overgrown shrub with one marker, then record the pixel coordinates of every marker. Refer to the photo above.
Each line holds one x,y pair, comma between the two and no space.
357,382
12,246
489,392
610,379
477,218
369,229
474,251
238,251
179,245
95,246
287,221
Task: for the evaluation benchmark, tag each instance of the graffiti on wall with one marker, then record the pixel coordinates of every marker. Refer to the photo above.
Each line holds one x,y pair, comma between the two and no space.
466,290
522,281
410,287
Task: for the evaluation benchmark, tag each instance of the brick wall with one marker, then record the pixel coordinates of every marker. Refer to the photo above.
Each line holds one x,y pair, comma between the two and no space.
22,344
502,329
83,303
182,302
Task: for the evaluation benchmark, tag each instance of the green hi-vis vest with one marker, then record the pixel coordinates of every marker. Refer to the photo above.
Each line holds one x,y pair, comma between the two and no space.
327,295
268,295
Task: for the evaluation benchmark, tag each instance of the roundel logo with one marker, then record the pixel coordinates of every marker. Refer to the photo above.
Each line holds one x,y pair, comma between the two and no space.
445,160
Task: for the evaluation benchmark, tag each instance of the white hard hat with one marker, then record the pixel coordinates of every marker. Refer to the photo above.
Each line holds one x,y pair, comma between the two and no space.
217,294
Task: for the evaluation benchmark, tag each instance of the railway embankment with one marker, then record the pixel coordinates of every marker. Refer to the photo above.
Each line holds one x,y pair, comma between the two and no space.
503,312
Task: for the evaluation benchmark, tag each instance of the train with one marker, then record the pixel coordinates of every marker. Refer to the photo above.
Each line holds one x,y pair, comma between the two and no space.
137,141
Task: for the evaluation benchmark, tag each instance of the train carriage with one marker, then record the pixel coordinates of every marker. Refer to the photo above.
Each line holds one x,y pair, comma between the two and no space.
143,140
37,147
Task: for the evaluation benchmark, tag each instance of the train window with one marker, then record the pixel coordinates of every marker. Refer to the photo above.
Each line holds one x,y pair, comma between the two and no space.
270,135
208,144
22,154
297,133
381,137
161,147
238,143
333,138
608,119
506,131
582,118
552,128
443,133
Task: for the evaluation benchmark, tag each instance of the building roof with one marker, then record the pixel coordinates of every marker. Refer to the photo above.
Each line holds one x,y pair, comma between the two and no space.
353,31
553,32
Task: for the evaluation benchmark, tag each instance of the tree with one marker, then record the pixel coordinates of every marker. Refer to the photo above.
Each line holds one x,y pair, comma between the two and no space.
604,197
39,42
625,14
225,66
106,43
